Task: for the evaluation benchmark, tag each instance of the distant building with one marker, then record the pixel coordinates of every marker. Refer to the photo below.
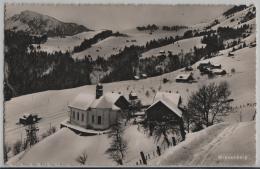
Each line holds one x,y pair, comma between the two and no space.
135,102
185,78
219,71
144,76
96,111
136,78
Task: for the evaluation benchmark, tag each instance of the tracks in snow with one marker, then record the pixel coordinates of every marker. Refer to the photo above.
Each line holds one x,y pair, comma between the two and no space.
207,151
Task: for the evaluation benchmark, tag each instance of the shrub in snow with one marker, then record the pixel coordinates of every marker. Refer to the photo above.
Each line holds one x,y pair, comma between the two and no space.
49,132
82,158
233,70
147,94
17,148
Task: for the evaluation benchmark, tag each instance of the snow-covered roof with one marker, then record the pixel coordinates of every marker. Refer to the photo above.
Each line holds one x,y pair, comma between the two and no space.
171,100
133,94
183,76
106,101
218,70
171,97
82,101
85,101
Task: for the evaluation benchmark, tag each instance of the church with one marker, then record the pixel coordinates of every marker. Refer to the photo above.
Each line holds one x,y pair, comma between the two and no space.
98,111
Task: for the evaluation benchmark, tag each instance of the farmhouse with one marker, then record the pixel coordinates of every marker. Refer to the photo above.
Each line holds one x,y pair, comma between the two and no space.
164,103
96,112
186,78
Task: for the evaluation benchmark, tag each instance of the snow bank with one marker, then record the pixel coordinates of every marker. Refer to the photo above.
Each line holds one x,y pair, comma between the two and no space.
211,145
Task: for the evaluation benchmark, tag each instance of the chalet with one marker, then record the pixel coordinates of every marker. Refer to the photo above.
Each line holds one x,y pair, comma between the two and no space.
204,65
166,104
161,52
185,78
96,111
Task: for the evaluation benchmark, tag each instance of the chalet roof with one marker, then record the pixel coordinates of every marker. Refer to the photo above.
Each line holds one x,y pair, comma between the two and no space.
217,70
85,101
183,76
171,100
82,101
172,97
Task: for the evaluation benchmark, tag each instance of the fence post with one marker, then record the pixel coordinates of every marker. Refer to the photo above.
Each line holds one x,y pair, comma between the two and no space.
143,158
158,150
173,141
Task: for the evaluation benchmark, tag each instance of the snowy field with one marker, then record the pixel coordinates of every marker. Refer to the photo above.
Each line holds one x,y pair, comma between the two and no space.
113,45
67,43
185,46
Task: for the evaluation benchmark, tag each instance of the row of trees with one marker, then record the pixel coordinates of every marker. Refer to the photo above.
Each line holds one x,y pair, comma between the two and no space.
149,27
87,43
174,28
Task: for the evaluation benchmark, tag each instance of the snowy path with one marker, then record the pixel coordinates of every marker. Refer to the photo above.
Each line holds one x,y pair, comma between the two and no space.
208,150
220,145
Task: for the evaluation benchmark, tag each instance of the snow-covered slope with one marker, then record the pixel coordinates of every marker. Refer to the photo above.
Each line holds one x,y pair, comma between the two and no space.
113,45
35,23
66,43
52,105
65,146
185,46
219,145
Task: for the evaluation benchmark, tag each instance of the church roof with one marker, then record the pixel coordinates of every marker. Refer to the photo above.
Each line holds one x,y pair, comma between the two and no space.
85,101
82,101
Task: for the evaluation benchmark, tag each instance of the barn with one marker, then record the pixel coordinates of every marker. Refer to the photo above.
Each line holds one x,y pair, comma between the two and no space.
97,112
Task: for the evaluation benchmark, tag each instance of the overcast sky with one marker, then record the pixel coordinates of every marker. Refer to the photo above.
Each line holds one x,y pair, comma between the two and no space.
119,17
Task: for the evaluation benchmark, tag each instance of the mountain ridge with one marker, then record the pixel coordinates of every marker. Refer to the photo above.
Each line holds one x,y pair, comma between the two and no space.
38,24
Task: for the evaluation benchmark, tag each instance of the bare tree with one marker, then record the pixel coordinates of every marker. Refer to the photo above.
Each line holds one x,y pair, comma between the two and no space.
82,159
118,146
209,103
168,124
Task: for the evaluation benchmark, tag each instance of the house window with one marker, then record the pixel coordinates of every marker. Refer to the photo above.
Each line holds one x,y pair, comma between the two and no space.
93,119
99,119
78,116
82,117
73,113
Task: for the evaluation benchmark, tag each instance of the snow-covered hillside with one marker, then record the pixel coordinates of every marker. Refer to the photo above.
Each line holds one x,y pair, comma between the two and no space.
113,45
66,43
185,46
38,24
235,134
